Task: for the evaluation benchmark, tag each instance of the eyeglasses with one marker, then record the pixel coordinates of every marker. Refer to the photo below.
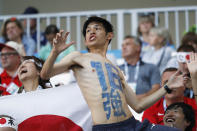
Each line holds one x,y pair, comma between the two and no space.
8,54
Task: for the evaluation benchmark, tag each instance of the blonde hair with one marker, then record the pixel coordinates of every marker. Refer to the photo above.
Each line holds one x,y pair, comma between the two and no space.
162,32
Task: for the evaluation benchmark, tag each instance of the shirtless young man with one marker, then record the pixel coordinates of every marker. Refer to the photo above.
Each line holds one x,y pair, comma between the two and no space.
102,83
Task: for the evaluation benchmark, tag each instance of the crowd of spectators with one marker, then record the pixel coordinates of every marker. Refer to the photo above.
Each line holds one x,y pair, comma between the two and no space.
149,60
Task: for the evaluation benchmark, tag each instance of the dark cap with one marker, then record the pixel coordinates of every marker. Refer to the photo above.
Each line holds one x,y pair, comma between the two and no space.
31,10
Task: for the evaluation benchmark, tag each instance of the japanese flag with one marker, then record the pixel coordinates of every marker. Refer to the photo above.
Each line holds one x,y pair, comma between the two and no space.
54,109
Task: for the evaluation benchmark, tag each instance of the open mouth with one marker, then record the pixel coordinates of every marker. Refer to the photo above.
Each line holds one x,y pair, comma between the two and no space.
93,37
23,71
170,120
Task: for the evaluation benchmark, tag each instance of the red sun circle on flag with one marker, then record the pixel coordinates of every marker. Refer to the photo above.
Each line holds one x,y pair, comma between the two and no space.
187,57
2,120
48,123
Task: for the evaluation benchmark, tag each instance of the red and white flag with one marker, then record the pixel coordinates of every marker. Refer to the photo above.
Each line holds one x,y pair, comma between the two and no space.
54,109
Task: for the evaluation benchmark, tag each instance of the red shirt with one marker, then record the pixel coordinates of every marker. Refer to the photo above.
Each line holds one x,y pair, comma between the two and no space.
9,85
155,113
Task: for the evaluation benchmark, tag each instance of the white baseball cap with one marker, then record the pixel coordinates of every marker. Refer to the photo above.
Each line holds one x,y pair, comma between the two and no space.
13,45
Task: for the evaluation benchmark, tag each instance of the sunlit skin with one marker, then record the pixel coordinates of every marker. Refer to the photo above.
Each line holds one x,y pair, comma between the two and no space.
90,68
175,118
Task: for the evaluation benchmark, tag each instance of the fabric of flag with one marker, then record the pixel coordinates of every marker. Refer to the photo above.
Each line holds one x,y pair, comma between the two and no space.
54,109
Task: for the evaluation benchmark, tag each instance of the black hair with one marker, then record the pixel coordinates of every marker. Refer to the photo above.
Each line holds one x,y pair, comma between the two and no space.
38,63
51,29
186,48
107,25
189,37
187,111
31,10
170,69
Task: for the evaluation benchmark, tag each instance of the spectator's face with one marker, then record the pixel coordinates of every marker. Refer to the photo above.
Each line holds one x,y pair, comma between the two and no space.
13,31
154,39
175,118
9,58
96,35
176,93
28,70
145,26
50,38
129,48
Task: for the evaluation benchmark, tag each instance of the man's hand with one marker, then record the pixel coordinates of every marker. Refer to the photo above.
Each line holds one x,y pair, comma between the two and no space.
176,80
59,42
192,65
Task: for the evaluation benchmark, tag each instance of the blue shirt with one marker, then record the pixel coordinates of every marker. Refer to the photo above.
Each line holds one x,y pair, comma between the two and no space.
43,39
148,76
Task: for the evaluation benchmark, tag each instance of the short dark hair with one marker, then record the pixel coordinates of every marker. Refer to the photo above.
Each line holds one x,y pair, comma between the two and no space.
170,69
4,30
189,37
185,48
136,39
51,29
31,10
187,111
107,25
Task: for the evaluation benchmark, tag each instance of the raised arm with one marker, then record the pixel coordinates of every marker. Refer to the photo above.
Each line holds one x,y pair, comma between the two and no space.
140,105
59,45
192,66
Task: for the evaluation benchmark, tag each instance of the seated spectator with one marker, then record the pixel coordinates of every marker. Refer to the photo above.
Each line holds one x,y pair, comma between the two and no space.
44,52
180,115
13,31
33,29
145,24
181,64
142,77
160,54
29,74
190,38
155,113
10,59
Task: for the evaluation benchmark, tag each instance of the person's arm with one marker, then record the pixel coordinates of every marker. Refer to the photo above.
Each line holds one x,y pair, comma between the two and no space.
175,81
192,66
59,45
154,88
